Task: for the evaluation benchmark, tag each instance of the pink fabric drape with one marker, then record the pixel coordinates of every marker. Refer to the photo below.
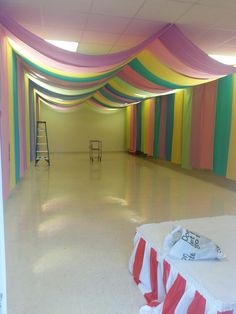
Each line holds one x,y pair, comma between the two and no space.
4,113
151,127
203,122
162,153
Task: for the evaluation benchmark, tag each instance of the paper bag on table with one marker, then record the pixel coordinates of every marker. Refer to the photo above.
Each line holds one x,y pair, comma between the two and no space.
184,244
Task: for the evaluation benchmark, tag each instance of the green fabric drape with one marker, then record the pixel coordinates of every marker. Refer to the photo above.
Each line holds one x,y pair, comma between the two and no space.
222,124
16,119
186,130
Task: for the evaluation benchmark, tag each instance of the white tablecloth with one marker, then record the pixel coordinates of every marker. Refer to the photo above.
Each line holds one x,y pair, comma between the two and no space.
176,286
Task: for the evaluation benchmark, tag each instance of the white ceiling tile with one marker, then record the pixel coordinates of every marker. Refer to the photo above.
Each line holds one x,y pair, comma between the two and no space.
201,15
60,5
231,42
98,38
143,27
126,8
130,40
186,1
163,10
226,21
60,33
70,18
103,23
223,50
230,4
93,49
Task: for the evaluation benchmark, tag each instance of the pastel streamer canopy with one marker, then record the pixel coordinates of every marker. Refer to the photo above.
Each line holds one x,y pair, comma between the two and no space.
33,71
162,64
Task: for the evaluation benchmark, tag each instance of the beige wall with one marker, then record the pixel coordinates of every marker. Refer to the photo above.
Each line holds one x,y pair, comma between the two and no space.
71,131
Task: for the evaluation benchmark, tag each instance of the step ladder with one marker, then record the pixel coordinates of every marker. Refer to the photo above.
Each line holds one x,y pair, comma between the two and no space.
41,148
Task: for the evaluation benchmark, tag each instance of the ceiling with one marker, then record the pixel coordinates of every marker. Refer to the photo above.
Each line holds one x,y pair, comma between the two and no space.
108,26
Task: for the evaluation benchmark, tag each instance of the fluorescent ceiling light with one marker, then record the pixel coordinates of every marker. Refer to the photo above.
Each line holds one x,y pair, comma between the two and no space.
66,45
230,60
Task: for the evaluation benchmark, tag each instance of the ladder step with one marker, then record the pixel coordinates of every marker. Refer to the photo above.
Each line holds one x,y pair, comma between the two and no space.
42,158
41,149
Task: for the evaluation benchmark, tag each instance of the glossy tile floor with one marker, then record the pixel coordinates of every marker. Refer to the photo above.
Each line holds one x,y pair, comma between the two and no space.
70,227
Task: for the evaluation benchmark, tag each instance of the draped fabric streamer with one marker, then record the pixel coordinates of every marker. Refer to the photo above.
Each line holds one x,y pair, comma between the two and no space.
162,135
32,71
169,125
231,166
203,123
139,127
151,124
196,127
131,129
177,128
4,113
222,125
156,128
186,124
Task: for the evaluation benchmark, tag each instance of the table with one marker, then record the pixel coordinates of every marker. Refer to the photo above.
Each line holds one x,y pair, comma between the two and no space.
192,287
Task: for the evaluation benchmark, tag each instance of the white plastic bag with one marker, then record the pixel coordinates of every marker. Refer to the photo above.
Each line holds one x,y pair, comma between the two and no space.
184,244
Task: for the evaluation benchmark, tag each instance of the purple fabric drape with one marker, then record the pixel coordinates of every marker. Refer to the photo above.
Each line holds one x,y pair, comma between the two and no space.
191,55
72,58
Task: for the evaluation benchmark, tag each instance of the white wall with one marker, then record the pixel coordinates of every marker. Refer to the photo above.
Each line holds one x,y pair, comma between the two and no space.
71,131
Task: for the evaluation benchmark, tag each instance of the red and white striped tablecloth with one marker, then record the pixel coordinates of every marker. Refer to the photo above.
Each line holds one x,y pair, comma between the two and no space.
174,287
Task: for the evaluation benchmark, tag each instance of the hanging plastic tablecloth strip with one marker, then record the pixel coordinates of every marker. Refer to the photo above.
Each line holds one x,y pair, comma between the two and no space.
166,288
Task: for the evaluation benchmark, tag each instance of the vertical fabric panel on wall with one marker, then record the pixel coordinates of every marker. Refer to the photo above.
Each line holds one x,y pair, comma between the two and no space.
32,122
27,120
12,180
156,127
162,140
231,166
222,124
21,113
128,127
4,114
131,128
186,133
151,121
16,118
169,125
144,124
203,124
177,128
138,127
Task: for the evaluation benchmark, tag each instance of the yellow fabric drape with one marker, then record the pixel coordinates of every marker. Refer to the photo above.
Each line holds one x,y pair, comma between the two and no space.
177,128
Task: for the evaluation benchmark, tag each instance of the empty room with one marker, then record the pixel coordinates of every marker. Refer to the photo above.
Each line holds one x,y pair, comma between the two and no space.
117,157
